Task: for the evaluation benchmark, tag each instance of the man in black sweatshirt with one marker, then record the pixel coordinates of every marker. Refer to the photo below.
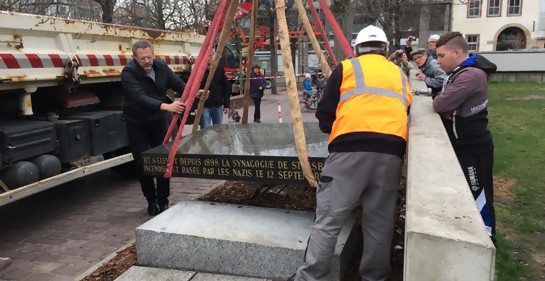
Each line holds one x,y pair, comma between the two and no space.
463,106
219,97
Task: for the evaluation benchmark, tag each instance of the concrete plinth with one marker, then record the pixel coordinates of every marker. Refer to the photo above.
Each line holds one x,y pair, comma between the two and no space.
158,274
155,274
234,239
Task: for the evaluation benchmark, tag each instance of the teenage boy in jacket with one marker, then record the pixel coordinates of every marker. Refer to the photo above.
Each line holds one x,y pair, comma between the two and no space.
463,106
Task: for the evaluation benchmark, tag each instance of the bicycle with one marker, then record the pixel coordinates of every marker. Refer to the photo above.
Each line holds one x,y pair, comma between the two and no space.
311,103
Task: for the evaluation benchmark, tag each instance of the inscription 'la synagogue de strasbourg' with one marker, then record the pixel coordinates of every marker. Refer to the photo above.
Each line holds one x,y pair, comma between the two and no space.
266,169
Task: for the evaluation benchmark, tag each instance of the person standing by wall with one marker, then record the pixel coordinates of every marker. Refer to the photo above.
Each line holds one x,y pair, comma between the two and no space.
463,106
219,97
400,58
431,73
432,47
257,87
408,48
366,153
145,82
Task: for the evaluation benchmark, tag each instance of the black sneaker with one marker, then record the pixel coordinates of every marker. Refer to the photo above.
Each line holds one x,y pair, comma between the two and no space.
163,206
257,121
153,209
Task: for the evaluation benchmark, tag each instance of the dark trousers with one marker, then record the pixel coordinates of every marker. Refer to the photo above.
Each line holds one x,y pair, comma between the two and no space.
141,138
257,110
477,169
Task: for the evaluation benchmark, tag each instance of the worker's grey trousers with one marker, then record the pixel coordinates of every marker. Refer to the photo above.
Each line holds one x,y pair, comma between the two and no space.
346,178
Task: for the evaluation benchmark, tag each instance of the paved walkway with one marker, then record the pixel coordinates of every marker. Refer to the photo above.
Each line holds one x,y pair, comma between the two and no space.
60,233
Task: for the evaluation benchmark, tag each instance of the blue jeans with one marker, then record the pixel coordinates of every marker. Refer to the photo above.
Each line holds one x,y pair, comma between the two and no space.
211,115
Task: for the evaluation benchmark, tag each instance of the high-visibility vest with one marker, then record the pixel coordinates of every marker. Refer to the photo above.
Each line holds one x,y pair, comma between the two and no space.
375,103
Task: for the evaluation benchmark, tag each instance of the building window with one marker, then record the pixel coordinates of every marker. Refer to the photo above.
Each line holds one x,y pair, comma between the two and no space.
514,7
473,42
494,8
474,8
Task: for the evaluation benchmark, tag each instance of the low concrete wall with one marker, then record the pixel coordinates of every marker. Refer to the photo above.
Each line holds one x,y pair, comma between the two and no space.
445,237
518,77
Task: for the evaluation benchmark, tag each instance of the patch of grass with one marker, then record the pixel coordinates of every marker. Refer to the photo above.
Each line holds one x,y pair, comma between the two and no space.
517,122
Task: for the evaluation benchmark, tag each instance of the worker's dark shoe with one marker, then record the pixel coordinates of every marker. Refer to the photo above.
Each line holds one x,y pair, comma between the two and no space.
153,209
163,206
257,121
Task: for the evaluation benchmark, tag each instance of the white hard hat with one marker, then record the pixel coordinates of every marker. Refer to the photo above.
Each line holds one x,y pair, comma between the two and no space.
307,75
371,34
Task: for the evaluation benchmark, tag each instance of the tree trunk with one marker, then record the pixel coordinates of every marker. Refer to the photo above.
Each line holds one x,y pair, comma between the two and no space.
344,16
107,10
161,23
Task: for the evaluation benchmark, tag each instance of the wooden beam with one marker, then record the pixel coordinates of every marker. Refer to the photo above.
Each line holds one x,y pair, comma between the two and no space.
291,83
320,28
315,45
225,32
249,61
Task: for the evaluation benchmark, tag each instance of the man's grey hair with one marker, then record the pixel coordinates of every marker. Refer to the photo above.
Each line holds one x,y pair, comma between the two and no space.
142,44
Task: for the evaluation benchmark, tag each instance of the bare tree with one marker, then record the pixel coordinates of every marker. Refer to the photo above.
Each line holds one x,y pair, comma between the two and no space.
107,9
166,14
271,17
38,7
394,16
195,13
344,15
8,5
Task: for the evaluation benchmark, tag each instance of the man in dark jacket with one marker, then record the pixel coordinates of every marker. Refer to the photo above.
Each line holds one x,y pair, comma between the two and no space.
145,82
219,98
431,73
463,106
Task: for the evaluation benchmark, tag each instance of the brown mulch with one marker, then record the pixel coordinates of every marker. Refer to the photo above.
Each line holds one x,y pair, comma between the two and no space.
115,267
278,196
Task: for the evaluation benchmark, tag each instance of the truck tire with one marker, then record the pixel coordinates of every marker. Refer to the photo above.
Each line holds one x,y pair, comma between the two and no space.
20,174
127,170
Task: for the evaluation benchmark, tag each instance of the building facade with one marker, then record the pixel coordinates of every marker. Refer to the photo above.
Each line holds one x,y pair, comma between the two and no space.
435,18
500,25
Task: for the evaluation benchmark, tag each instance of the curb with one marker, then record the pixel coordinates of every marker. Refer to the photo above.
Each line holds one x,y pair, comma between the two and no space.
104,260
112,255
4,263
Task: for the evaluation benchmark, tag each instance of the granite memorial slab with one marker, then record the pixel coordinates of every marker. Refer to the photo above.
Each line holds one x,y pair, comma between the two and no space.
252,152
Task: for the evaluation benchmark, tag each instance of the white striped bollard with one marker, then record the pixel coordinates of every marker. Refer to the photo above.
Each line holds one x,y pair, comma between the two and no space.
279,112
